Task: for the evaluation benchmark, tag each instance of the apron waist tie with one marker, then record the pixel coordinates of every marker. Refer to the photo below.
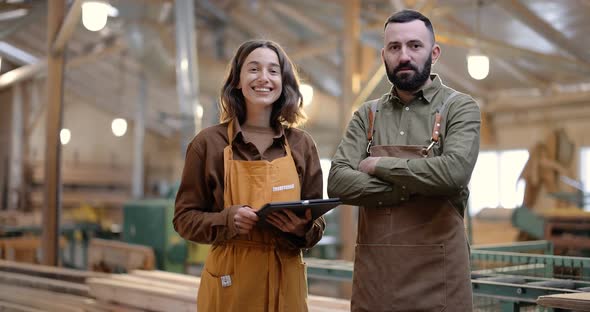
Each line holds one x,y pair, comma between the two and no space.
249,243
276,274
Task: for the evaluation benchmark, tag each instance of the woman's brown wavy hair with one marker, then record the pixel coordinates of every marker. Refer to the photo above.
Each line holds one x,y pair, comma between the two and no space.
287,109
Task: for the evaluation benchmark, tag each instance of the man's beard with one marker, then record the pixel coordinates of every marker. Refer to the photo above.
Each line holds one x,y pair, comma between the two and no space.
408,82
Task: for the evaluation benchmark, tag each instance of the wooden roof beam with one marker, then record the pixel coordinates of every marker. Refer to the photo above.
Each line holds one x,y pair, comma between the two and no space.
67,27
315,48
458,79
369,86
257,26
38,69
76,92
541,27
499,48
301,19
506,66
528,103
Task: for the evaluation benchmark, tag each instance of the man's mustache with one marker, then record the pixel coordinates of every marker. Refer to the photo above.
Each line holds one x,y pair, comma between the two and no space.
405,66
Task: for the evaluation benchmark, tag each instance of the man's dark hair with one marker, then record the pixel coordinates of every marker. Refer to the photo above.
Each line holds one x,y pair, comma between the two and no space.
406,16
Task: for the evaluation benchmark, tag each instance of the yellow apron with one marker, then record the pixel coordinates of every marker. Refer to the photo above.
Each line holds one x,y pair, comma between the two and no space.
249,273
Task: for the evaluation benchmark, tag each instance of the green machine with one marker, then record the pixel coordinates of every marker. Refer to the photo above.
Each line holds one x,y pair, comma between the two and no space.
149,222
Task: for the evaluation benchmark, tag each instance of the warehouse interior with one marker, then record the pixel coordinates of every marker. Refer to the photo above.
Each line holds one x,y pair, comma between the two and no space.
99,99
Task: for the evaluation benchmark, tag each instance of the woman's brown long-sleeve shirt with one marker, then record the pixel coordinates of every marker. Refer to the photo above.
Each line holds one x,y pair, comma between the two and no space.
199,215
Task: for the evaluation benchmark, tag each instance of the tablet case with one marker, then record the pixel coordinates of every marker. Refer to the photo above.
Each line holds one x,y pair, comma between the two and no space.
318,208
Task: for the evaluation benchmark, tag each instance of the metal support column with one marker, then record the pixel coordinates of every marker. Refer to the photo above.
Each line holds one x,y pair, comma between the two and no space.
139,138
55,80
15,187
187,79
350,36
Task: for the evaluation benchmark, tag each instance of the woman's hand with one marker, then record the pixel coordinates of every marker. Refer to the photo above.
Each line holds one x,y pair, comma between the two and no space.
245,219
287,221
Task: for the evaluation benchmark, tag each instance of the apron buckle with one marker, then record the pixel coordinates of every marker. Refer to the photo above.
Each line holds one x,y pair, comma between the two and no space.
426,150
369,146
432,142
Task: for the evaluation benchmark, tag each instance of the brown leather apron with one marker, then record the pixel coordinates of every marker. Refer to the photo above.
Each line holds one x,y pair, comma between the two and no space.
249,273
412,256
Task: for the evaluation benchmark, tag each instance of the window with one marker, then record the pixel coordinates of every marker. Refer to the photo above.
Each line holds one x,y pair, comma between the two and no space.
494,182
585,174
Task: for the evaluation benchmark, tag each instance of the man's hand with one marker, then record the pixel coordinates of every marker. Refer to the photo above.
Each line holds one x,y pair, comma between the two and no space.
245,219
368,165
287,221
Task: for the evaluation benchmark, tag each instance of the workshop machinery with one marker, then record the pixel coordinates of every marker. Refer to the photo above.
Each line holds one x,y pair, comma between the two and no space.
567,228
72,254
149,222
505,277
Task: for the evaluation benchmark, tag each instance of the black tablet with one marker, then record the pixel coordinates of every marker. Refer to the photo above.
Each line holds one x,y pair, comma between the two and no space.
318,207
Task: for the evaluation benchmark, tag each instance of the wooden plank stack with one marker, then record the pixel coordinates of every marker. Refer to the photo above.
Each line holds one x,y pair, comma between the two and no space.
28,287
109,255
570,302
94,184
32,288
23,249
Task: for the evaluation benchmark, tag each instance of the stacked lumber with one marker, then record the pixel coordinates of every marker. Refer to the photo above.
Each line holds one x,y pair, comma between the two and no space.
573,302
33,288
23,249
93,184
114,256
164,291
14,218
28,288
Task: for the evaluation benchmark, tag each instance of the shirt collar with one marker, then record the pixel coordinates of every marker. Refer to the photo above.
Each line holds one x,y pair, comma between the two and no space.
430,90
237,129
426,92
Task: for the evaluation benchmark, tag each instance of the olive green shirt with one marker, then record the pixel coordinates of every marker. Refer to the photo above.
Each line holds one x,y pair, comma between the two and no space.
395,179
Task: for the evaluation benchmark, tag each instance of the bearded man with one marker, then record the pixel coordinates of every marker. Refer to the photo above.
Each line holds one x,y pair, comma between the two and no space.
406,159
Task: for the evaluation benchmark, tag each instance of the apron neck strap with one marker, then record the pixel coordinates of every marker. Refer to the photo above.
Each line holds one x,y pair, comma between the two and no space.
228,151
438,117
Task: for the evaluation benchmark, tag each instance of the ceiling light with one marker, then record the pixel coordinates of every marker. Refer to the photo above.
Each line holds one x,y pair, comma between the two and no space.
307,93
119,126
95,14
64,136
199,111
478,65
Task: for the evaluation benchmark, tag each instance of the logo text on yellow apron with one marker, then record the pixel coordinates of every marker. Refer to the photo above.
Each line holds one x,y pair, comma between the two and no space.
283,187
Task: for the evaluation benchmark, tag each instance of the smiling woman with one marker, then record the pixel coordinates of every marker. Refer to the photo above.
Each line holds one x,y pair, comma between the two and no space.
260,82
254,157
